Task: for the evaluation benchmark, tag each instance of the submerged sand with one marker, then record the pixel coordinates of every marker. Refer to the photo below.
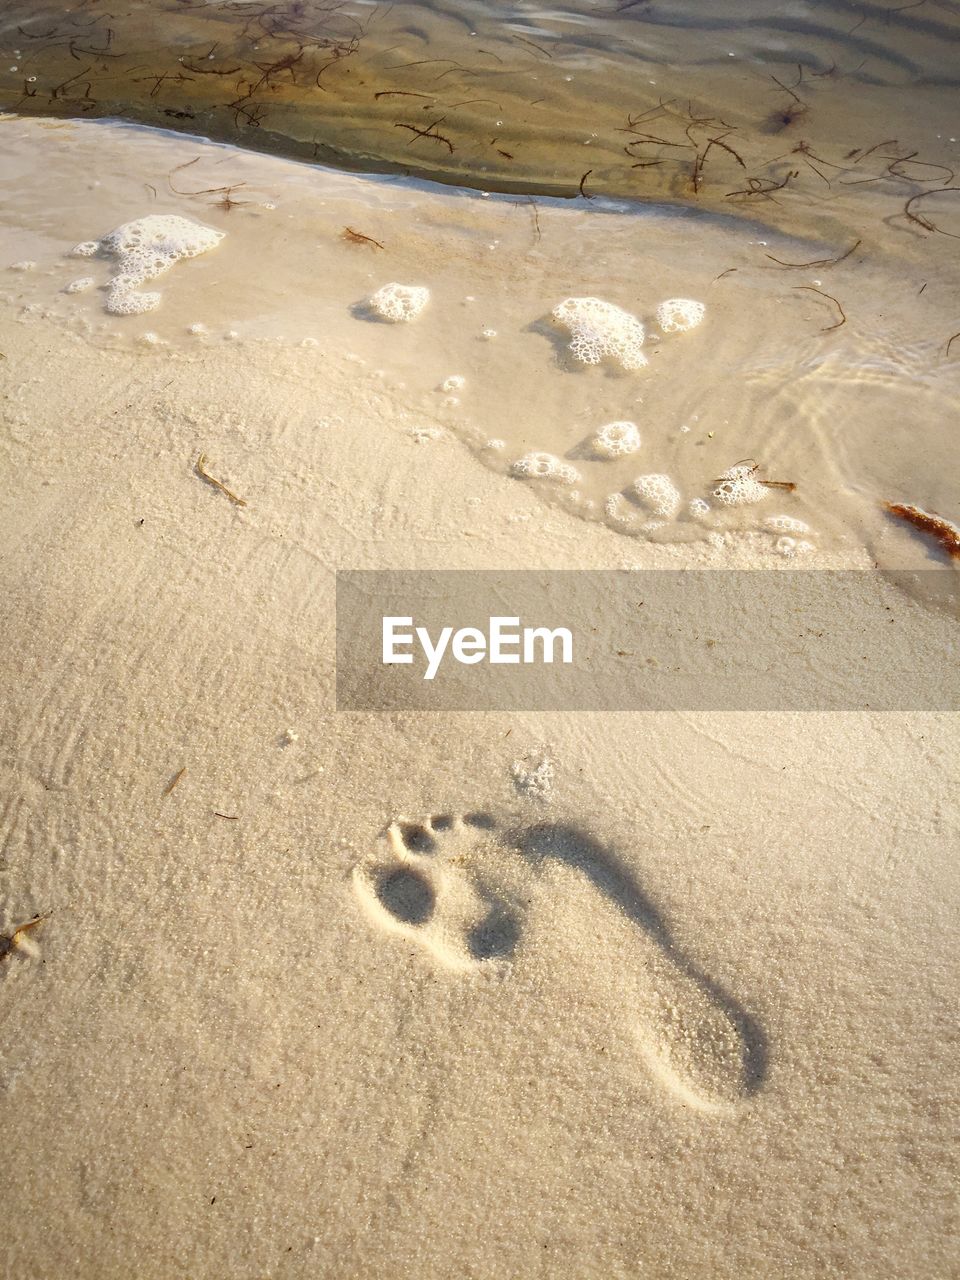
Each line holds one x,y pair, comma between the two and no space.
222,1055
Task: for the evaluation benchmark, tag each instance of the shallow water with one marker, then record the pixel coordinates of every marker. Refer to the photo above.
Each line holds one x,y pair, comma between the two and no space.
630,99
792,172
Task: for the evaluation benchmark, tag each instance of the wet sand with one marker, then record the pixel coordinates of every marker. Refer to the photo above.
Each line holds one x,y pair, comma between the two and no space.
852,414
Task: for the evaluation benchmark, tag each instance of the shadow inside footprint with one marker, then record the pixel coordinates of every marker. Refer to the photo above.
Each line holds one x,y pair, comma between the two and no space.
581,851
416,838
496,936
406,895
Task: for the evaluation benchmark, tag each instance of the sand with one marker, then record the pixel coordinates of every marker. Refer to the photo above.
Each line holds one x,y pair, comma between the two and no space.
684,1006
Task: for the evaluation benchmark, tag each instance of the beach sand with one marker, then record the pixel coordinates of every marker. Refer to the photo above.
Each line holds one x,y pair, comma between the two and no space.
687,1008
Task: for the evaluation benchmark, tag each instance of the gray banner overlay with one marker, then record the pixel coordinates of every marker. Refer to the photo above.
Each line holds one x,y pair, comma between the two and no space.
711,640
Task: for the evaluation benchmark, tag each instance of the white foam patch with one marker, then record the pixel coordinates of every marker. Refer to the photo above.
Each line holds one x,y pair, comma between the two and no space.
124,300
789,543
785,524
658,495
399,302
698,509
145,249
23,266
791,547
677,315
616,440
545,466
79,286
739,487
599,330
535,781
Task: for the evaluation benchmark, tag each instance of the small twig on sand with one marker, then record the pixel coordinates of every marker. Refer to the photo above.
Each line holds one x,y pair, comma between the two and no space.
942,531
11,941
788,485
357,237
173,781
820,262
843,315
920,220
536,216
217,484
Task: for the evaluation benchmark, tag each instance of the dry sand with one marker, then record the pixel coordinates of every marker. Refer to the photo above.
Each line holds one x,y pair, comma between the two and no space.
688,1011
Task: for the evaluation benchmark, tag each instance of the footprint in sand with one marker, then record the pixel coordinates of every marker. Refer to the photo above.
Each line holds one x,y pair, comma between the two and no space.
428,887
459,885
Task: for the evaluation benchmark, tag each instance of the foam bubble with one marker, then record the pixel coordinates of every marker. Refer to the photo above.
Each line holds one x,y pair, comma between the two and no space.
144,249
739,487
677,315
790,547
453,383
658,495
616,439
536,780
123,301
698,509
422,435
600,330
545,466
80,285
785,524
399,302
623,514
23,266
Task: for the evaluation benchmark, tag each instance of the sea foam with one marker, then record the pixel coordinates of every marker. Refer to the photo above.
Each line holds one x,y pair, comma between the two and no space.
616,440
677,315
144,249
739,487
545,466
399,302
657,494
599,330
